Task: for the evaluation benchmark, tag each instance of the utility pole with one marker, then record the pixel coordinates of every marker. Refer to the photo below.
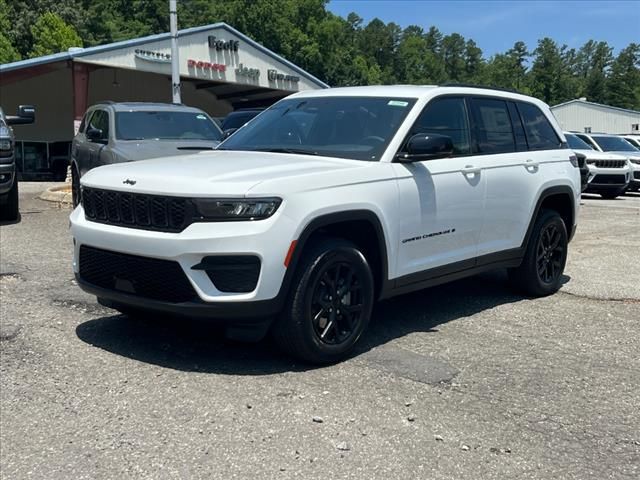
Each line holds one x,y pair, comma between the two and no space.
175,61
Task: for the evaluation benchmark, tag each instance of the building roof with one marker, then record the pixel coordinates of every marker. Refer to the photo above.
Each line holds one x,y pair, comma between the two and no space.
82,52
593,104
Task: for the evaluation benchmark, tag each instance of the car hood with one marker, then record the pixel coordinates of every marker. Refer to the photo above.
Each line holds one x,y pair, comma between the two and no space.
211,174
129,151
634,155
595,155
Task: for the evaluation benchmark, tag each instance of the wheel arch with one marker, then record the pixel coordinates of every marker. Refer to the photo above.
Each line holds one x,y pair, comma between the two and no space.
559,198
362,227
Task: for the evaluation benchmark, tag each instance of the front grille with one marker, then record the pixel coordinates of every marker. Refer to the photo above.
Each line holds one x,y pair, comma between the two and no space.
636,175
145,277
232,273
610,163
136,210
609,180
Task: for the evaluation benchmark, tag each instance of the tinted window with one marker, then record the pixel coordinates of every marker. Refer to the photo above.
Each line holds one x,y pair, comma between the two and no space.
587,140
540,133
165,125
357,128
446,116
82,124
614,144
492,122
236,120
633,141
577,143
100,121
518,129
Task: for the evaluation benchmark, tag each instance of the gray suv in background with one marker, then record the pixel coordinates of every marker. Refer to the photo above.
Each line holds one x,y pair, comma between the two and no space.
125,132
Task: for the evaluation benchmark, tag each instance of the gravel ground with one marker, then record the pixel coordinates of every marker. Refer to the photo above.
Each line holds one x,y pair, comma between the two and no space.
463,381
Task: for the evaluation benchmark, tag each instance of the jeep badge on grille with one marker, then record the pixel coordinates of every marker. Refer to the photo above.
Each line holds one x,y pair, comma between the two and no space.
129,182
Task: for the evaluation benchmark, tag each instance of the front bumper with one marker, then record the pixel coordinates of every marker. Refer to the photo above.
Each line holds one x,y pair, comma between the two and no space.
7,177
607,179
268,240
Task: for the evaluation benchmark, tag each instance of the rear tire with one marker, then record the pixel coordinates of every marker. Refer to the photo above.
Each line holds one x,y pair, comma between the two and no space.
540,272
10,211
330,304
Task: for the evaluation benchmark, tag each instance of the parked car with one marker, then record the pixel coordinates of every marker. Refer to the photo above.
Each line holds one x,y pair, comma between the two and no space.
634,139
123,132
608,174
385,190
238,118
616,144
8,180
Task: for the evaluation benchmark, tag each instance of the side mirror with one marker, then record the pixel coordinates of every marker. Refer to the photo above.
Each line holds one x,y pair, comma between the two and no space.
94,134
227,133
26,114
426,146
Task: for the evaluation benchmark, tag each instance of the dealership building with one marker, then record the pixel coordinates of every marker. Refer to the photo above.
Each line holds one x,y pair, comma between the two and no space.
220,68
588,117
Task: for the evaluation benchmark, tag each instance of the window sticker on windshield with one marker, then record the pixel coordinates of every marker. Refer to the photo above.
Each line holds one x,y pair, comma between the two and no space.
201,117
397,103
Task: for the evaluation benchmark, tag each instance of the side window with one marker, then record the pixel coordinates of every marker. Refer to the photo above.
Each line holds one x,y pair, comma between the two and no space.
83,123
518,129
588,140
446,116
540,133
494,133
100,120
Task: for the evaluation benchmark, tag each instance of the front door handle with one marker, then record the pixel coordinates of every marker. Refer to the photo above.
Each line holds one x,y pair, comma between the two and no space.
471,170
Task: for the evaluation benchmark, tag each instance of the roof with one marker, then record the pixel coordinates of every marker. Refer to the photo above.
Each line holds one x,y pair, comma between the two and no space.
83,52
126,106
413,91
600,105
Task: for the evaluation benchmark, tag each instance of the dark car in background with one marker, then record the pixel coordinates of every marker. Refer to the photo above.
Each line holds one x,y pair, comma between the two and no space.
9,210
238,118
125,132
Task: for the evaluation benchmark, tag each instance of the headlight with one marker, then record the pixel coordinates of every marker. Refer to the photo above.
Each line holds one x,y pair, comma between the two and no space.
219,209
5,145
635,160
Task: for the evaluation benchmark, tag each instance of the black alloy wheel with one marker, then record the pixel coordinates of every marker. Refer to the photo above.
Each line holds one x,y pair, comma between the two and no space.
550,254
329,304
336,304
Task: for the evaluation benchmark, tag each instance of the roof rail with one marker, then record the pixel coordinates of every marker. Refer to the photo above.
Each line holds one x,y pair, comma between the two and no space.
472,85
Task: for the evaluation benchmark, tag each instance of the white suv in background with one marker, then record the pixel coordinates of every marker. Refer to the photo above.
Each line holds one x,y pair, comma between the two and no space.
331,200
616,144
634,139
609,174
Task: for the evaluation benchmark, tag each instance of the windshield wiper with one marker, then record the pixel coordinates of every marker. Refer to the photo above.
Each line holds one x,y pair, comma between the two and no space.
286,150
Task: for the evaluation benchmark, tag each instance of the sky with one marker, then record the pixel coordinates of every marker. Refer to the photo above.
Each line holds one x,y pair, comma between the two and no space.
496,25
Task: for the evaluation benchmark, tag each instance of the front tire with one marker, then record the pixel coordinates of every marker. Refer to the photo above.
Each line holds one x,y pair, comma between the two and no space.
330,304
10,211
540,273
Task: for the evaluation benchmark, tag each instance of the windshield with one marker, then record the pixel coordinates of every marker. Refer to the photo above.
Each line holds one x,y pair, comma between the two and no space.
357,128
236,120
614,144
577,143
165,125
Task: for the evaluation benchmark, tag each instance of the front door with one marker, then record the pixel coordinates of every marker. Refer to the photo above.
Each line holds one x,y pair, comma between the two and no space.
441,201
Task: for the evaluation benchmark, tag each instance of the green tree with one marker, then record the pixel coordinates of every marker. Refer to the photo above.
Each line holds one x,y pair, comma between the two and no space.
545,71
453,49
7,52
596,80
51,35
415,63
623,85
473,62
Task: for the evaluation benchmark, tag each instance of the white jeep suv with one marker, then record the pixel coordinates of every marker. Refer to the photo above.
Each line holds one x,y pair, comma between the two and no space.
331,200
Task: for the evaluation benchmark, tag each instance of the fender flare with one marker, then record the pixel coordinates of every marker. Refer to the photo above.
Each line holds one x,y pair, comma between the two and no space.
546,193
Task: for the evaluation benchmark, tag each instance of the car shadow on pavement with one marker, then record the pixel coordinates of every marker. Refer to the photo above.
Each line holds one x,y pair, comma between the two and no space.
190,345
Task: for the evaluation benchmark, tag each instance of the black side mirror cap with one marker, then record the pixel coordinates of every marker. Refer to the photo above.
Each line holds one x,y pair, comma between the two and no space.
94,134
227,133
26,115
426,146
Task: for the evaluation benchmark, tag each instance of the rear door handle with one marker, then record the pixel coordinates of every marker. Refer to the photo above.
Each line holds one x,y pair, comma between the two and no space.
470,169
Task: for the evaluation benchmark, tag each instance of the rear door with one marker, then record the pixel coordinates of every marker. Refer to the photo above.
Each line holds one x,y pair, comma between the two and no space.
519,148
441,200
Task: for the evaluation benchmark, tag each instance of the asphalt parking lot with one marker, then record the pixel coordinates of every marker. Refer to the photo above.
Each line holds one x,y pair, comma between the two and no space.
463,381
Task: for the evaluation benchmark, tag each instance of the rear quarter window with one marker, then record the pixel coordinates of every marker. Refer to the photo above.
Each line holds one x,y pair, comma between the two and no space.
540,134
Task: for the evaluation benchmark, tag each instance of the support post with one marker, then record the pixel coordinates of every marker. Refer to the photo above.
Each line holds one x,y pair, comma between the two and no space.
175,61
